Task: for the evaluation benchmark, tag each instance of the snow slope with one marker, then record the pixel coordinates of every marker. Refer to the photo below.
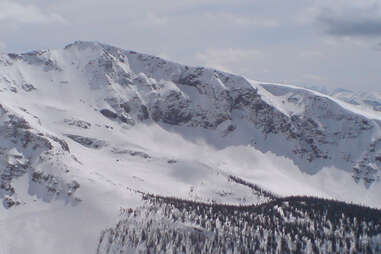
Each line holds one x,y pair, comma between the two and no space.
84,127
366,100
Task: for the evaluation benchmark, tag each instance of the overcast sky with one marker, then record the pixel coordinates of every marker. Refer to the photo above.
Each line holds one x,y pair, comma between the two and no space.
307,42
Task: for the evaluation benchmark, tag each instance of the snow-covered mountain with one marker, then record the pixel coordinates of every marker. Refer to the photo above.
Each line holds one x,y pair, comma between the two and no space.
367,100
88,128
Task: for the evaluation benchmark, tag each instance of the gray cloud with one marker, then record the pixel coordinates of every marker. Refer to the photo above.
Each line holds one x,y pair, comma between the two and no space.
344,27
378,46
364,21
2,46
14,12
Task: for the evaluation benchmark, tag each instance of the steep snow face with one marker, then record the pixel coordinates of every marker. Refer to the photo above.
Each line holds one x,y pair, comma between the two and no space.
87,125
338,133
364,99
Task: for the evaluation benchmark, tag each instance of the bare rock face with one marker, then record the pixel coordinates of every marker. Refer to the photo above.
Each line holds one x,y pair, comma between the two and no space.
172,109
141,154
40,58
8,202
49,187
78,123
108,113
22,150
28,87
87,141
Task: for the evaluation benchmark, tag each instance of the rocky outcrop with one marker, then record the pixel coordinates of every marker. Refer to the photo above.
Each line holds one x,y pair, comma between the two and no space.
78,123
141,154
22,150
87,141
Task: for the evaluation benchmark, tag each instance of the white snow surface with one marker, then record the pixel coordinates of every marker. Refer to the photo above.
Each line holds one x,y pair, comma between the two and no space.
61,93
366,100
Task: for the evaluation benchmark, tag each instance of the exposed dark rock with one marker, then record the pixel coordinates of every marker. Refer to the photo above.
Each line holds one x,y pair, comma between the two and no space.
191,79
176,116
18,122
49,187
87,141
8,202
156,113
144,113
108,113
37,176
28,87
14,56
125,107
131,152
126,119
231,128
78,123
72,187
62,143
174,109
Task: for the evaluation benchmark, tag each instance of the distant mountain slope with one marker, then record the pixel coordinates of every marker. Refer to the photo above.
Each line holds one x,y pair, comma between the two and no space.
85,127
366,99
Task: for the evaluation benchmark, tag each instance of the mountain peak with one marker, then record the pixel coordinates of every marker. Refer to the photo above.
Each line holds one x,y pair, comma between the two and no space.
83,44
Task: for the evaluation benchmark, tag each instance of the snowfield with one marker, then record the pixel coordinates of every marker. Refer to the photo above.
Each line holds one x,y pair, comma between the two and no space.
85,129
